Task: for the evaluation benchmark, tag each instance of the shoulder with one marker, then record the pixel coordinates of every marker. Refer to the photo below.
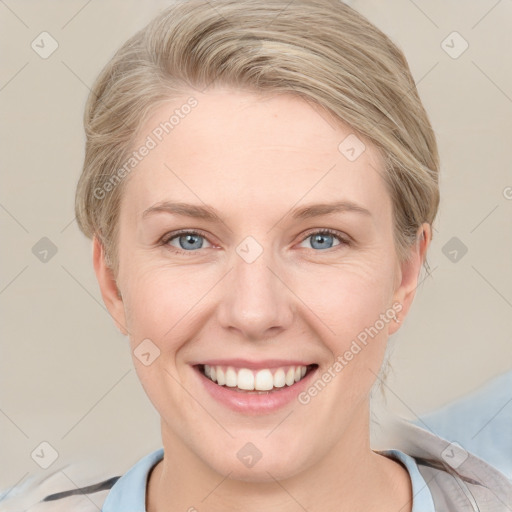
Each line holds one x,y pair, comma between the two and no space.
71,489
480,421
56,492
458,480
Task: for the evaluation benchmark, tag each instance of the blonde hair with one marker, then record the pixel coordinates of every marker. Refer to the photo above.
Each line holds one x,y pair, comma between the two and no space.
321,50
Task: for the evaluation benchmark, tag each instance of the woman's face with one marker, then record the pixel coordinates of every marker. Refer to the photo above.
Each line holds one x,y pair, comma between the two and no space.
259,284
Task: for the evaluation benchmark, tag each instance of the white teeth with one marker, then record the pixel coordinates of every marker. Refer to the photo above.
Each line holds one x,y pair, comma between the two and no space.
221,376
259,380
230,377
279,378
245,379
264,380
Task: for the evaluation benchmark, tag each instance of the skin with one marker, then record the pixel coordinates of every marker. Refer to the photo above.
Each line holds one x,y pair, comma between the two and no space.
254,159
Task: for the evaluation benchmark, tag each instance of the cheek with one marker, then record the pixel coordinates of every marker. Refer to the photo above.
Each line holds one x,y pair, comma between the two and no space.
159,306
162,304
353,302
347,297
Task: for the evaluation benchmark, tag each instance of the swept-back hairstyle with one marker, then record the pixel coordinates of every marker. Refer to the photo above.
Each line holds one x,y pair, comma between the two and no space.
321,50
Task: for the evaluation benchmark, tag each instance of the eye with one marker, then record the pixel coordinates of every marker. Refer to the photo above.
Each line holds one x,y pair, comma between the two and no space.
183,242
323,239
187,241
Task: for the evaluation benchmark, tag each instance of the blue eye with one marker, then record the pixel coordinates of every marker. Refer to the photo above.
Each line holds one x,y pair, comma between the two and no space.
188,241
191,241
323,239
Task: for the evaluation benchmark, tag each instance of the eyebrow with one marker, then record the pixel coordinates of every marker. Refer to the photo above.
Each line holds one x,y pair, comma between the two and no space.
210,214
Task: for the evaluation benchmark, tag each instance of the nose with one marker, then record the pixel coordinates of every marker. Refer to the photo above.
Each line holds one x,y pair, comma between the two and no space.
255,300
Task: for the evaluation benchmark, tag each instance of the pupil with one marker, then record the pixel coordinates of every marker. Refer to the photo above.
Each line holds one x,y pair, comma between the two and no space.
191,241
321,238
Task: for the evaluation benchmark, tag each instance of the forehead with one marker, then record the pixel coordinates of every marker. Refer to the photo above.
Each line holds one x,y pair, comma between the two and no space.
243,153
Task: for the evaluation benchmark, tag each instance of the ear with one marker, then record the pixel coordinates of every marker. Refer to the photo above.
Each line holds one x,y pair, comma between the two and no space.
108,286
408,274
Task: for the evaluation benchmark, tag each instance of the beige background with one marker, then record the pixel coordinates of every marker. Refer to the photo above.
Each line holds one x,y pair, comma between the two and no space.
66,373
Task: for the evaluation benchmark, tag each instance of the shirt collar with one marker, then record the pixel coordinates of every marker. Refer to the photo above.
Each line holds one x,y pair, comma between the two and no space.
421,496
129,492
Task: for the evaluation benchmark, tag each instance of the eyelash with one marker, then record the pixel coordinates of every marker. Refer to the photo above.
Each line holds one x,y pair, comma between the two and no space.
170,236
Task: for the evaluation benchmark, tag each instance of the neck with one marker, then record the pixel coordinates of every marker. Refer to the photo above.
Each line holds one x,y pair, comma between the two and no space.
349,477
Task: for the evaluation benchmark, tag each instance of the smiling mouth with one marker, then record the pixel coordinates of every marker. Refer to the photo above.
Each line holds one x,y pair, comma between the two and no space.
263,381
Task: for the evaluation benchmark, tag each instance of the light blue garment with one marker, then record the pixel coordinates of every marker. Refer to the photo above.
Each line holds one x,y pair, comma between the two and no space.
421,495
129,493
481,422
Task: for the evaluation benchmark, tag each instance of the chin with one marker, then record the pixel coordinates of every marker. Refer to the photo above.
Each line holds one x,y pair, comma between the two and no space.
264,470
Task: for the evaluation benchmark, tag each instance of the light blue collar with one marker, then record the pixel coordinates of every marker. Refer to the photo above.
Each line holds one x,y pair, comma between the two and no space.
421,495
128,494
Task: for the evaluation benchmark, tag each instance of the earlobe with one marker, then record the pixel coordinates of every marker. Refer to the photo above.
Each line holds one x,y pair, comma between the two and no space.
108,286
409,273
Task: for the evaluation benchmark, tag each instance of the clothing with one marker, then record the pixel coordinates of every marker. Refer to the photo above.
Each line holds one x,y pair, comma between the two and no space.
480,421
458,480
129,491
472,486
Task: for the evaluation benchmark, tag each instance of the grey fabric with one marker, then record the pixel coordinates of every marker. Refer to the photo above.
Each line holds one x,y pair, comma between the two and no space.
468,486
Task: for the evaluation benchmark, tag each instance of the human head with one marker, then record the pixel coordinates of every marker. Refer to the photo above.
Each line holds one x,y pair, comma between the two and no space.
354,77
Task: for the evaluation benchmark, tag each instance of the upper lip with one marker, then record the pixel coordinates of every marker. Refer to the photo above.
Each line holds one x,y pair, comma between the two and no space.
253,365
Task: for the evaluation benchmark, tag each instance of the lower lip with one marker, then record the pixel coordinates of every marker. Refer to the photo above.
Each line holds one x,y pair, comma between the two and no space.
254,403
